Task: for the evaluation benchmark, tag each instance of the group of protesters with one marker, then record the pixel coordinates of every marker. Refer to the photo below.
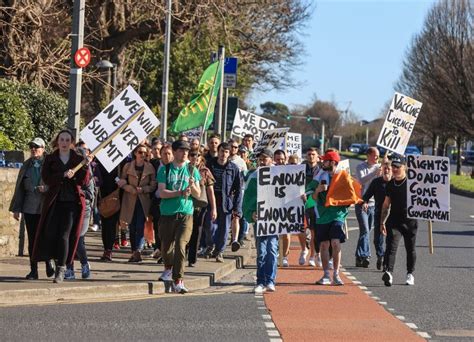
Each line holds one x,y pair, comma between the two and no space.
193,196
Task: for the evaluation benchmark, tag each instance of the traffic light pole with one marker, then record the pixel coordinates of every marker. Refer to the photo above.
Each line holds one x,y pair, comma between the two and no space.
313,118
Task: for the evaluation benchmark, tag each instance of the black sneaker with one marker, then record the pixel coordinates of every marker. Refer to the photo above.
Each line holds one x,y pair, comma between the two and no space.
387,278
365,262
358,262
50,268
379,262
235,246
33,275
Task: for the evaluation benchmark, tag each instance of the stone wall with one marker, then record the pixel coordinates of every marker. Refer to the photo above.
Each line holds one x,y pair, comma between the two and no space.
9,227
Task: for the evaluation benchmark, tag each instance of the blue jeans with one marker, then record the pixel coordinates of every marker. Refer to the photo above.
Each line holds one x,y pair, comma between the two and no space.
366,224
267,258
209,229
222,226
244,228
137,227
378,237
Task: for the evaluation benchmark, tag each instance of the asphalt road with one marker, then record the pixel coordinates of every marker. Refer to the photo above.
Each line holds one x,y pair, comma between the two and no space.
228,312
441,302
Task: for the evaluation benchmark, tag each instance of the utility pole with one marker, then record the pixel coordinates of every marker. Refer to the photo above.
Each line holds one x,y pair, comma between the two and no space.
166,63
75,73
218,115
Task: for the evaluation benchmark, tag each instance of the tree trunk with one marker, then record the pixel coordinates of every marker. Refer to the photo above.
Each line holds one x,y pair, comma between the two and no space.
458,160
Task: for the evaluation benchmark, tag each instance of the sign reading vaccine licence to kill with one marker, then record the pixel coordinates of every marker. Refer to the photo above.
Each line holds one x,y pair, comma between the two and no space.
399,123
109,120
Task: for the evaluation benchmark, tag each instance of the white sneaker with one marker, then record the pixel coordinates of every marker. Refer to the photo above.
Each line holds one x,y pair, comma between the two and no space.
285,263
166,275
271,288
319,263
303,256
180,288
95,227
325,280
336,280
259,289
312,262
331,264
410,279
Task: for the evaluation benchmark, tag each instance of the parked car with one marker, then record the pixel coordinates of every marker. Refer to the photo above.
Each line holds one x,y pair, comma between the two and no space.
363,148
468,157
355,148
412,149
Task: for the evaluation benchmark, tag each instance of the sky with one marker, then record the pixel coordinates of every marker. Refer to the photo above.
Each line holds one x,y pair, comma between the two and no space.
354,53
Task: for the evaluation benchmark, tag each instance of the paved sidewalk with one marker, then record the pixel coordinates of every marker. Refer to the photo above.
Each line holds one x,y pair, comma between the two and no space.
303,311
115,279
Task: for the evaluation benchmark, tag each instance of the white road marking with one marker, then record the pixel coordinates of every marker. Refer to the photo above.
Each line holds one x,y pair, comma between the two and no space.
412,325
401,318
423,334
269,325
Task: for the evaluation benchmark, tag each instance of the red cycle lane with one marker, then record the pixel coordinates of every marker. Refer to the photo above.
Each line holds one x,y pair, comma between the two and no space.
303,311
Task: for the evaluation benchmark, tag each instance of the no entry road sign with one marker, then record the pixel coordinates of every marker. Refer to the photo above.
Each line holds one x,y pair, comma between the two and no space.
82,57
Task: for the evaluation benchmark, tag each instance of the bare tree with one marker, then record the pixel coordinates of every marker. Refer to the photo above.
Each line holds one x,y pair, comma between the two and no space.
439,71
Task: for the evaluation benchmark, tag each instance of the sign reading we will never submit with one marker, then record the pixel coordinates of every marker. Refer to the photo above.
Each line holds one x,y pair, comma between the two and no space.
280,209
110,119
428,187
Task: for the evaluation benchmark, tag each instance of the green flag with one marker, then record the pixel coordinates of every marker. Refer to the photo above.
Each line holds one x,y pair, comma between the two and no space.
200,109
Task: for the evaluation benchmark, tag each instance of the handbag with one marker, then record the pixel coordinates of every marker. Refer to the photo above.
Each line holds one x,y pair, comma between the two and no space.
110,204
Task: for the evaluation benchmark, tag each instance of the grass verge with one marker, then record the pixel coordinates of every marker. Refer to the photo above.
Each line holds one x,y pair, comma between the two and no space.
464,183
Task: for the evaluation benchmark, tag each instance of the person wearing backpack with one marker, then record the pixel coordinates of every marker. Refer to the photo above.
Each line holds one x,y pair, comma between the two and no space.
201,205
176,185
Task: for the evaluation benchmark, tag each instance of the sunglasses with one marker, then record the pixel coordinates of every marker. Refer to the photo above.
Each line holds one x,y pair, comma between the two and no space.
194,155
34,146
235,146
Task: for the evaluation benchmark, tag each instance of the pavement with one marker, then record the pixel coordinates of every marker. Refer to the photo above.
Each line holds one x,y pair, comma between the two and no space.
108,279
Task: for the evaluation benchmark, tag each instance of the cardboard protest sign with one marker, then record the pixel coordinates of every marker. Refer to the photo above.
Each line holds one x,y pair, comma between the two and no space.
194,133
399,123
280,209
294,144
428,187
272,139
343,165
109,120
249,123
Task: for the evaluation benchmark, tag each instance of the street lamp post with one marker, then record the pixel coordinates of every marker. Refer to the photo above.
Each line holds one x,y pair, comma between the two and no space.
107,65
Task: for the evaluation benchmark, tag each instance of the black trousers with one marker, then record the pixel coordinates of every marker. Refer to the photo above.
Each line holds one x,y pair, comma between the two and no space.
109,228
63,221
395,231
198,217
31,223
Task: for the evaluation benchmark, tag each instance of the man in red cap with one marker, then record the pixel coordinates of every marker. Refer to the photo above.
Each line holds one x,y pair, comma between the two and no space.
329,224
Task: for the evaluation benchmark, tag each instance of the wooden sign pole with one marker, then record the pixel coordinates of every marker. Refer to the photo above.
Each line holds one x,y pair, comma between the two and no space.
110,138
430,236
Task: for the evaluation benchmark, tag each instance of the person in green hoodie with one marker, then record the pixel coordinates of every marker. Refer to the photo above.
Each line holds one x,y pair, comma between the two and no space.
267,246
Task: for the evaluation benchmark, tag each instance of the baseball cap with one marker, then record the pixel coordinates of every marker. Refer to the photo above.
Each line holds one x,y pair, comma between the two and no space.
267,152
180,144
332,156
38,142
243,148
397,160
